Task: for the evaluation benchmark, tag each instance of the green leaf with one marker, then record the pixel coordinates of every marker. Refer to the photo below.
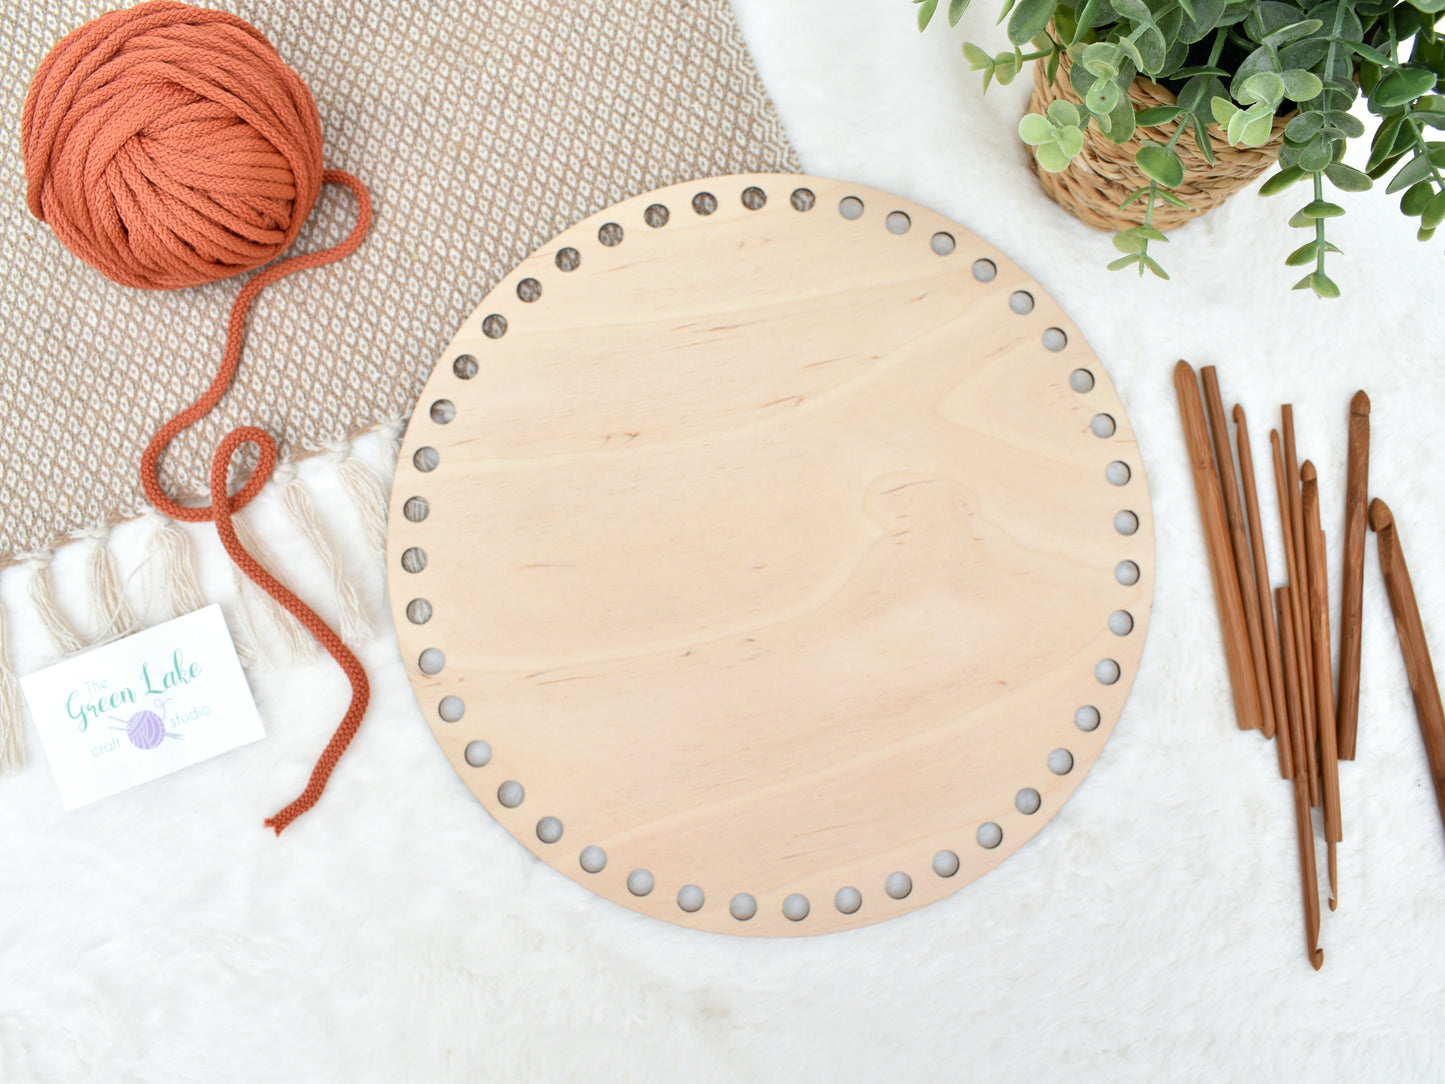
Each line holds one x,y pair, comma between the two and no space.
1348,178
1063,113
1134,10
1317,154
1423,234
976,57
1132,52
1223,110
1051,158
1300,85
1034,129
1153,48
1103,97
1065,23
1434,212
1158,114
1364,51
1401,86
956,8
1257,132
1153,265
1319,208
1293,32
1303,127
1124,261
1088,18
1006,66
925,12
1160,163
1431,7
1324,286
1101,59
1151,234
1121,121
1416,169
1299,221
1416,198
1170,198
1280,181
1306,253
1129,240
1002,15
1134,197
1029,19
1265,88
1071,140
1383,143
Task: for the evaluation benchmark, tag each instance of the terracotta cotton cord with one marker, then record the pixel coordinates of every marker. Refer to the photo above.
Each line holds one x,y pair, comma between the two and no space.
169,146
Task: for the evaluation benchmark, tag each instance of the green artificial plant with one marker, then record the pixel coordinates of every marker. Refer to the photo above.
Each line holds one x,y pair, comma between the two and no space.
1235,65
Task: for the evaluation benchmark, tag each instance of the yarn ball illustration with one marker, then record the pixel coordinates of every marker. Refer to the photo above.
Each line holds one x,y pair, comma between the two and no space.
169,146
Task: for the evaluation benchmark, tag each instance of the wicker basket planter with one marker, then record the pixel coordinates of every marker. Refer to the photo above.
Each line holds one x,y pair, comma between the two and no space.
1100,178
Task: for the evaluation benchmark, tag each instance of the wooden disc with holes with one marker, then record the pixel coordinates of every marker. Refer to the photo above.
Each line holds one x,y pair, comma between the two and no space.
770,555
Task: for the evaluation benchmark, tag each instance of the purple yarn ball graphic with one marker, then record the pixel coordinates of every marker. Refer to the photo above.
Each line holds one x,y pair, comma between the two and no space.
146,729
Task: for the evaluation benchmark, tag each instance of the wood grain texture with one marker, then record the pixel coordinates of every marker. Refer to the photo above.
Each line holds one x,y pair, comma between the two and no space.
1300,592
770,551
1294,735
1217,544
1319,596
1352,581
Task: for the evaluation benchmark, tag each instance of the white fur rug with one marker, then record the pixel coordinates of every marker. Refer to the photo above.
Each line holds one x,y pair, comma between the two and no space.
1151,931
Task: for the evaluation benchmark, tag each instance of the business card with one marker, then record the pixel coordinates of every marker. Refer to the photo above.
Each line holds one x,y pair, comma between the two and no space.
141,707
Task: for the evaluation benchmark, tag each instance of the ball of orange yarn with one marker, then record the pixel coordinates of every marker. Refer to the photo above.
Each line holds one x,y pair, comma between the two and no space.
168,146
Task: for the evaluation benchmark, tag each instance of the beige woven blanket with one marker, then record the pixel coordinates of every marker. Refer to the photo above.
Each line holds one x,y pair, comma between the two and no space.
483,128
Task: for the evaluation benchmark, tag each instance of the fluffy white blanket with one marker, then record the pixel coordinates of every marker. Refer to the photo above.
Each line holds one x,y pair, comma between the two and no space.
1151,931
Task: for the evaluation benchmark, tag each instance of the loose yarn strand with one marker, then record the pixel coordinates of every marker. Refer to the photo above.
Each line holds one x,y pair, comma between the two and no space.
302,511
115,616
11,751
52,619
114,121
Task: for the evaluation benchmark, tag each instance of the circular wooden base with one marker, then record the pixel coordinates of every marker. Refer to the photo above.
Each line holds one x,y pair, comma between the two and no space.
770,555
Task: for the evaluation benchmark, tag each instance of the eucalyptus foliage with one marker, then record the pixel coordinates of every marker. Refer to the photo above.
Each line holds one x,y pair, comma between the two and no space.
1235,65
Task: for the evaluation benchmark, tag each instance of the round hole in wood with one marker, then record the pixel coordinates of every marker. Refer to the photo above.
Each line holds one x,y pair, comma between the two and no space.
413,559
1021,302
690,898
546,593
985,270
945,863
1101,425
549,829
529,290
704,203
848,899
418,611
465,366
989,835
416,509
742,906
898,885
796,907
851,208
898,222
640,882
754,198
568,259
942,243
426,459
656,216
442,411
802,199
1082,381
1118,473
1087,718
494,326
1126,522
431,661
1061,762
477,753
593,859
511,794
1127,573
451,708
1027,801
610,234
1121,622
1054,339
1106,671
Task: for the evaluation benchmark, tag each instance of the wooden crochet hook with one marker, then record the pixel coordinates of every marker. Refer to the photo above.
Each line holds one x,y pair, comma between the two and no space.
1301,669
1352,586
1412,644
1239,544
1324,677
1287,666
1216,540
1300,588
1304,825
1261,581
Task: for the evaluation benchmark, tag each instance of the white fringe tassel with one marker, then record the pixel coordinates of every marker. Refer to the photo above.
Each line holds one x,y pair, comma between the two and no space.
115,618
12,753
288,634
42,594
368,492
178,585
354,625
